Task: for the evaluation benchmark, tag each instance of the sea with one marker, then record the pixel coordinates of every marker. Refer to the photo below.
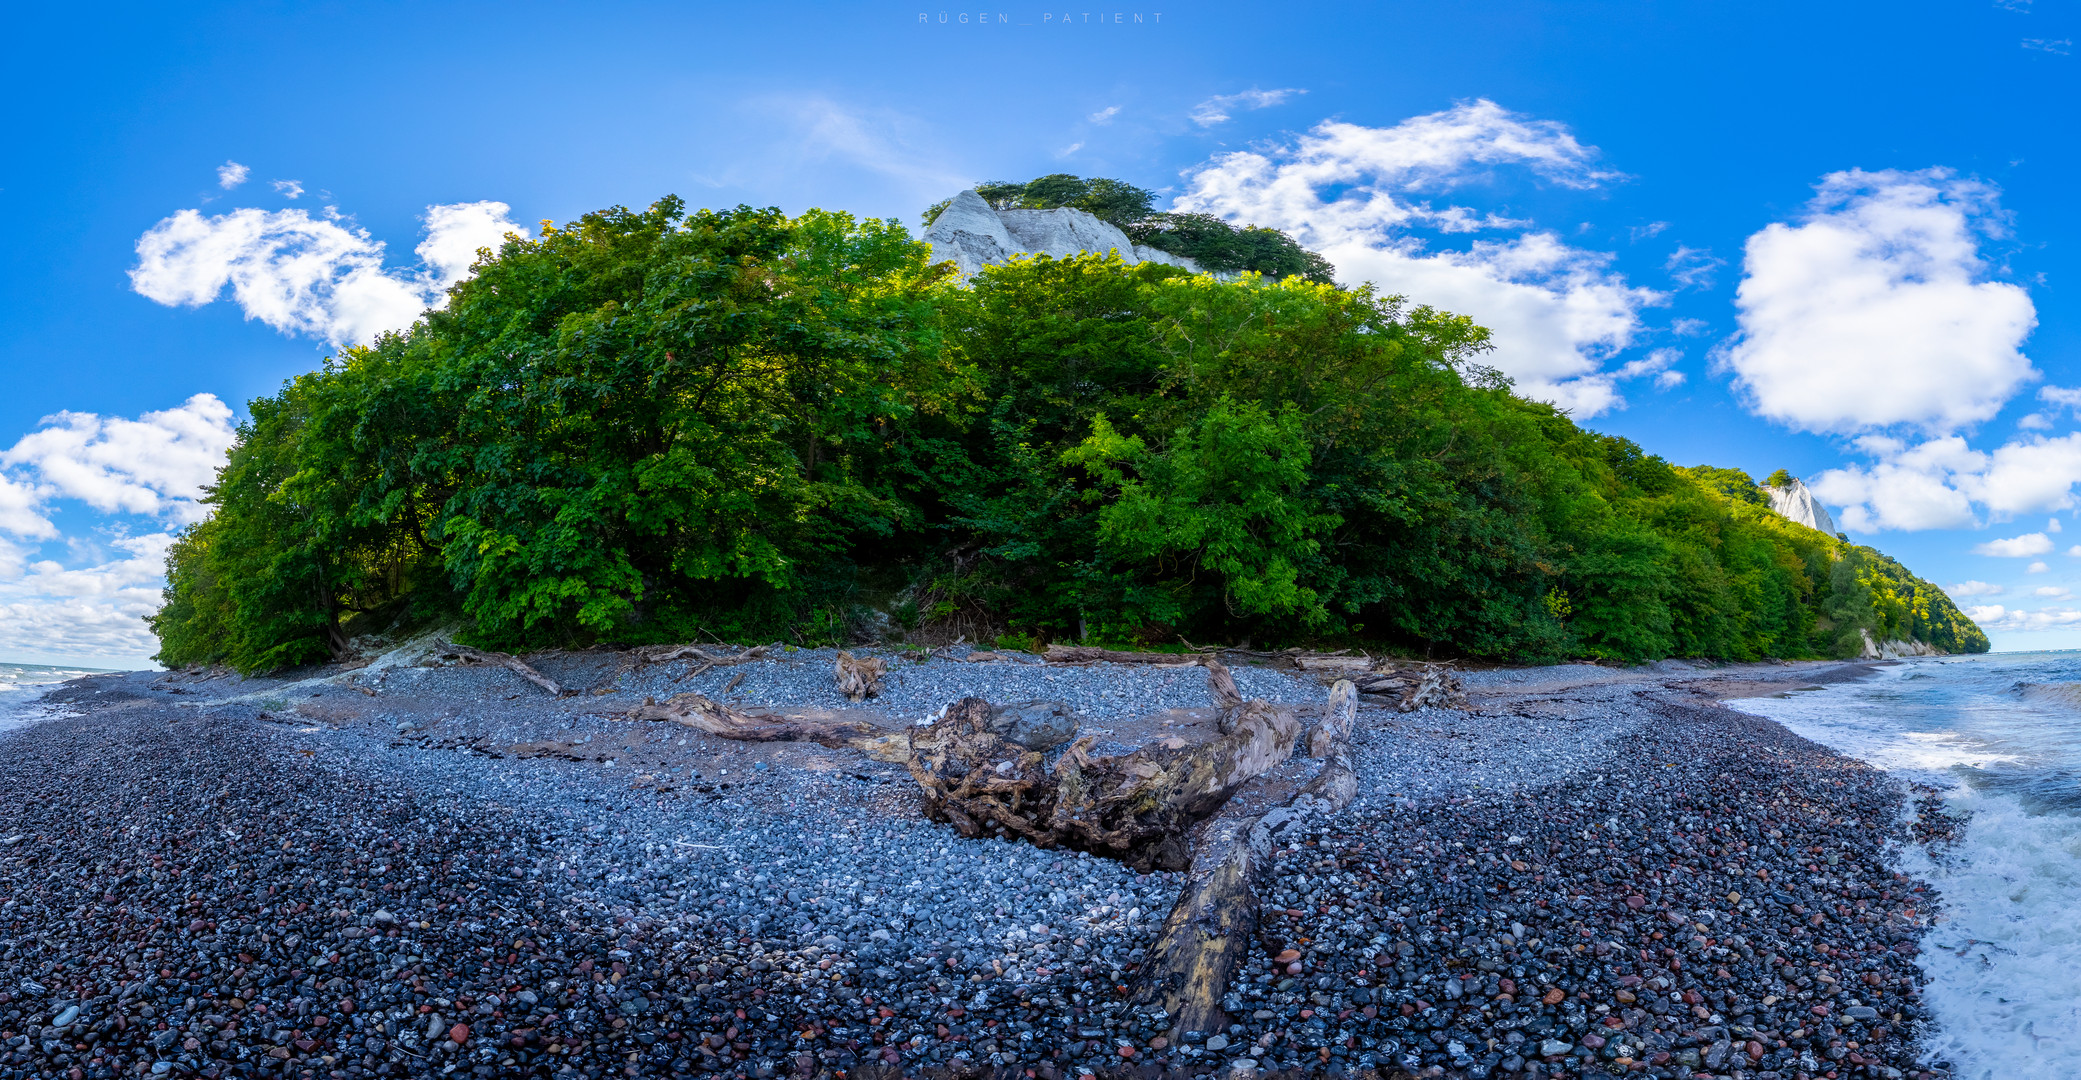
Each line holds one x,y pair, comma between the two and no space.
2001,735
22,687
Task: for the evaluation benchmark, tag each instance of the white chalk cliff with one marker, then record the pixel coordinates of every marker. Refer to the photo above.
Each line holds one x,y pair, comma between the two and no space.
1795,503
973,236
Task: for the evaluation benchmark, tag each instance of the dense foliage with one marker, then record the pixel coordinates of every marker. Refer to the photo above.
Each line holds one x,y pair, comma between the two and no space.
1212,243
656,426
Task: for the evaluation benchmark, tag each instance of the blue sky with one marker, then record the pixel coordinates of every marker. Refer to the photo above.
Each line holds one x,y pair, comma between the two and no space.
1839,239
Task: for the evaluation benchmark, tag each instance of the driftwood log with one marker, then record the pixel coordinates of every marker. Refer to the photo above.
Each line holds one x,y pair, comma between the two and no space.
1408,691
860,678
1214,925
985,768
702,714
1135,807
504,660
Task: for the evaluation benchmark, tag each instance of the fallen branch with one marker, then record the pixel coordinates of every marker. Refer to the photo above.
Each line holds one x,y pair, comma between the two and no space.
1214,923
702,714
504,660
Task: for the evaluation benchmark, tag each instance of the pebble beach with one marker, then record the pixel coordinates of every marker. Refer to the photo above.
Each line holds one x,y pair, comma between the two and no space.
442,871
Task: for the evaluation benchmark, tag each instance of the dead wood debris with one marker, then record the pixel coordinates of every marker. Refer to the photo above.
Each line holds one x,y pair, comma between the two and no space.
860,678
1134,807
1214,923
449,649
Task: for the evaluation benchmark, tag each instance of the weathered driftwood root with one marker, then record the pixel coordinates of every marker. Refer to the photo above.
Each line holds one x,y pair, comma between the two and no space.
511,663
715,718
1137,807
1214,925
860,678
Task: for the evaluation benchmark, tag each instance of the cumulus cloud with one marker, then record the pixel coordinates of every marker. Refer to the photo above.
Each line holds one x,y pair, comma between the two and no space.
144,477
2056,592
311,275
231,174
1357,194
1221,107
1973,588
2016,547
1945,484
289,188
157,464
2038,567
1997,617
1875,308
94,612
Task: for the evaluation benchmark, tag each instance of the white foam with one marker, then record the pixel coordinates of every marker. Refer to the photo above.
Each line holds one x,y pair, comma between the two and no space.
2005,964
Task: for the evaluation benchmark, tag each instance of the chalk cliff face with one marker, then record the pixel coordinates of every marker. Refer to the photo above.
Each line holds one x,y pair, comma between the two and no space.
1796,503
974,236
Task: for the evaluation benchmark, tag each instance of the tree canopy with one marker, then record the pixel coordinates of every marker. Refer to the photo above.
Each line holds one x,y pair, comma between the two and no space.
657,425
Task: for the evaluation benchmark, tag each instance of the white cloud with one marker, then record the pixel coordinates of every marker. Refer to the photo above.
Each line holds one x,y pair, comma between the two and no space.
1693,268
93,612
231,174
157,464
311,275
1105,115
2054,526
1689,327
1973,588
1354,194
2055,46
1070,149
1945,484
1874,309
2054,592
2016,547
1638,233
1997,617
147,472
2038,567
1219,108
1656,363
290,188
2061,397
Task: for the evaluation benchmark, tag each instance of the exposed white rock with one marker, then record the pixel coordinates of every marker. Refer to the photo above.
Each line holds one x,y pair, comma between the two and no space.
1795,503
973,236
1894,650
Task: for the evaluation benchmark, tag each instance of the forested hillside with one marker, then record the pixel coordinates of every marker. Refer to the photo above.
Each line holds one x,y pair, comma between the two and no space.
656,426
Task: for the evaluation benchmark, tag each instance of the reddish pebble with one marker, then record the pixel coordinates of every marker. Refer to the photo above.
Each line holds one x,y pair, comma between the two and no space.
459,1034
1636,902
1287,957
1820,1010
1127,1051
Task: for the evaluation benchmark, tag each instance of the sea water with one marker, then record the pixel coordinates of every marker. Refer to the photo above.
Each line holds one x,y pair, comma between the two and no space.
2001,734
22,687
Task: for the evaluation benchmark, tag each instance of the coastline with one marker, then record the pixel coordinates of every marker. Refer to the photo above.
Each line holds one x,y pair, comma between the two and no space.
595,889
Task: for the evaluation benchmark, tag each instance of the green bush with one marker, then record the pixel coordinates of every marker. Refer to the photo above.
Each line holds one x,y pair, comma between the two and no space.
651,425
